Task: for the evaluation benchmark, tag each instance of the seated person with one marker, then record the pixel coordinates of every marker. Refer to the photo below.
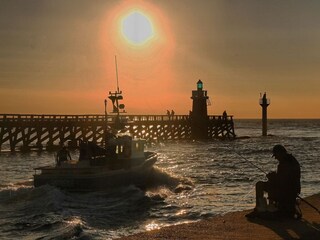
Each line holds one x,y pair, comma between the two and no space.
283,186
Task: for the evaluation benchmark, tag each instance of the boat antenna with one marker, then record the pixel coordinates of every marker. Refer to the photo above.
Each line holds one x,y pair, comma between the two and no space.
302,199
115,97
106,122
116,63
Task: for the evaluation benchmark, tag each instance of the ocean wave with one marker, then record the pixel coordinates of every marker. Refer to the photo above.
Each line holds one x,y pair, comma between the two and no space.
160,178
191,181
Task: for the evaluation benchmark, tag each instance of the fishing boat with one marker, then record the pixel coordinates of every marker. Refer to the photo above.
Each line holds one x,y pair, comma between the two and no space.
123,162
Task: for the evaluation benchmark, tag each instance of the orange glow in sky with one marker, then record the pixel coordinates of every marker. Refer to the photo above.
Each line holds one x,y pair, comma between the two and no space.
141,66
60,58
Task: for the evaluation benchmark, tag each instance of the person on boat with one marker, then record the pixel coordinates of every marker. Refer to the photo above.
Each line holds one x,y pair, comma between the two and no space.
83,151
283,187
127,140
63,155
111,145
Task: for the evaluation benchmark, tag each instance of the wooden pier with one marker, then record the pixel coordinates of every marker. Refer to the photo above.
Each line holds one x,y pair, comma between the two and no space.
48,132
45,132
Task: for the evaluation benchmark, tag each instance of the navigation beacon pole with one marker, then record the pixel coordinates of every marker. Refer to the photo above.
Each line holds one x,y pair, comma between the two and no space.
199,114
264,103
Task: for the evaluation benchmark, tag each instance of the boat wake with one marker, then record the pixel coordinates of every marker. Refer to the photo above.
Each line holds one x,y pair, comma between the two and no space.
162,179
50,213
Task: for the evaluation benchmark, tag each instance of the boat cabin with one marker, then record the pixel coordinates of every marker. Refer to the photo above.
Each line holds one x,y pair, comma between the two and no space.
130,148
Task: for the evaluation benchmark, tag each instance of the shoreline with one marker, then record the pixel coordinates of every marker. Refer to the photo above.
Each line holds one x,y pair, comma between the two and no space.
236,226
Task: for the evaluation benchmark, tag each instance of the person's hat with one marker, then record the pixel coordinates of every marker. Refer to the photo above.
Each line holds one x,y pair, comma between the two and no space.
278,149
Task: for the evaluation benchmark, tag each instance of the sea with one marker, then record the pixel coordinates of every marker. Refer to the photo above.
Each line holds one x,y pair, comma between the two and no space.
192,180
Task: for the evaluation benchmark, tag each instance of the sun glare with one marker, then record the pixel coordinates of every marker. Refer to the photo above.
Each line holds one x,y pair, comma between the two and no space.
137,28
140,35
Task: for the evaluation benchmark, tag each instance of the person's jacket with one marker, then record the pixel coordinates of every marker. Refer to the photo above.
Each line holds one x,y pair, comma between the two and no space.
287,178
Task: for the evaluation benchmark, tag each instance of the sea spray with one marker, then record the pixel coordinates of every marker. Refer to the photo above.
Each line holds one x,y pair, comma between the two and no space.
159,178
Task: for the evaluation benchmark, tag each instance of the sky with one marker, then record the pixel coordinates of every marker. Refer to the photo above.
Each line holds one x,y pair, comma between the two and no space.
58,57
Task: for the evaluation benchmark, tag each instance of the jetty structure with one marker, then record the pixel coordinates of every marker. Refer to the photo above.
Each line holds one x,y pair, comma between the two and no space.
199,114
49,132
264,103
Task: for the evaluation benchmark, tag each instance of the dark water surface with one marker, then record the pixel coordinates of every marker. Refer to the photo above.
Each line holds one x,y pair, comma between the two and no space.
193,180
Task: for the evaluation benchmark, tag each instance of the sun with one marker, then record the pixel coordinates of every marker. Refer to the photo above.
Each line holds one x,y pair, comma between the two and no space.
137,28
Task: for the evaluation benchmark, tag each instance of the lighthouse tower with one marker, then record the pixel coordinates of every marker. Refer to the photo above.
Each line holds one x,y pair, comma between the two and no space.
199,114
264,103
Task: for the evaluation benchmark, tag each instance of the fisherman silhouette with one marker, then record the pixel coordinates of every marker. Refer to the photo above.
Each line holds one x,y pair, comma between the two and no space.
283,187
63,155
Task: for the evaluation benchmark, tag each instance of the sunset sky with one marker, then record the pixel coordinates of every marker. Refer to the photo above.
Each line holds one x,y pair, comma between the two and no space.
58,57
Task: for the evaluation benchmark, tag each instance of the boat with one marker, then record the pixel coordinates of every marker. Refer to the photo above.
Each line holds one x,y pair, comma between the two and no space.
123,162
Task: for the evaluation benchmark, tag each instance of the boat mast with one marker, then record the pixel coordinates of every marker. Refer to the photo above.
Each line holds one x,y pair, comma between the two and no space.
106,123
115,60
115,97
117,103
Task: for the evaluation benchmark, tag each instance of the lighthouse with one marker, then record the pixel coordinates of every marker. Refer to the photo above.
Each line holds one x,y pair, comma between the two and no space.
264,103
199,114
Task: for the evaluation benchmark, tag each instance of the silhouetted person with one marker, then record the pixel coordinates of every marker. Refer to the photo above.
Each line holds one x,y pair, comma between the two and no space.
168,114
111,145
63,155
83,155
172,113
283,186
224,115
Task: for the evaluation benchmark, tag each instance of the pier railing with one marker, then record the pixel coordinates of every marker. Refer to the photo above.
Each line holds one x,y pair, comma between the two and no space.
46,131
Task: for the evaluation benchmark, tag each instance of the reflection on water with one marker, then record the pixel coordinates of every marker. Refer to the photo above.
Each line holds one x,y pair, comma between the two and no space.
192,180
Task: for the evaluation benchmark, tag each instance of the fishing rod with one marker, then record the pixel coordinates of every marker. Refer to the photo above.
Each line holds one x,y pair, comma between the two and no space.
308,204
302,199
250,162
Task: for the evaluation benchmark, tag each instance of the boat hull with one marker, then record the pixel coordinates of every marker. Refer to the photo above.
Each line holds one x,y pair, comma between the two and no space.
96,178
